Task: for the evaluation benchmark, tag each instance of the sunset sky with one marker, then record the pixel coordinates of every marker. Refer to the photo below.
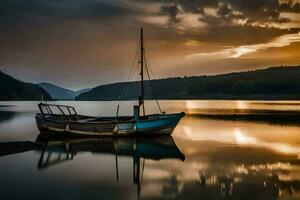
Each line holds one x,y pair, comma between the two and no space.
84,43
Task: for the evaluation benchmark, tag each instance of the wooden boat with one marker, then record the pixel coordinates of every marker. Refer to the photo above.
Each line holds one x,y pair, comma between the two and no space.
68,121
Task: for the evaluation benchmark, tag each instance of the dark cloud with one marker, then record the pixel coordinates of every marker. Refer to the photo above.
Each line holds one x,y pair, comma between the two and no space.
76,9
172,11
253,12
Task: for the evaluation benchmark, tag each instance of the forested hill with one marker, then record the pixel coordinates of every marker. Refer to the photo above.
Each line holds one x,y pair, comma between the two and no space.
13,89
266,84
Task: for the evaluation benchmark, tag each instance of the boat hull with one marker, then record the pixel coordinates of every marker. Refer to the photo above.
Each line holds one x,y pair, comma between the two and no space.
108,126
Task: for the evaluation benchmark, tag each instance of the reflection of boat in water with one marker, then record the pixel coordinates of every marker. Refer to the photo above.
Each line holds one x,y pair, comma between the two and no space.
56,151
155,148
66,119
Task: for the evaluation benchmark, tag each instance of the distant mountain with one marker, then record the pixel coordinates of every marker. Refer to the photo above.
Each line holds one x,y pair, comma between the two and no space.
267,84
60,93
82,91
13,89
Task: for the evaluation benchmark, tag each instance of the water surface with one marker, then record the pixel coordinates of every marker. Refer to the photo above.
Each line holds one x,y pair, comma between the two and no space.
220,150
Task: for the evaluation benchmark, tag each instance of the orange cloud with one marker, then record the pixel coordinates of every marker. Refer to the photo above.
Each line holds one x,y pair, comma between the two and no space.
236,52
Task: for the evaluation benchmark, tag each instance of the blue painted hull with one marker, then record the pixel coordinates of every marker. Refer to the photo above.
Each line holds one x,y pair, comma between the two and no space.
164,124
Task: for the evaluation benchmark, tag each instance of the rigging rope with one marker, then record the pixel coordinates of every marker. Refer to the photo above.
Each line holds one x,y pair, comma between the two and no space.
132,70
151,86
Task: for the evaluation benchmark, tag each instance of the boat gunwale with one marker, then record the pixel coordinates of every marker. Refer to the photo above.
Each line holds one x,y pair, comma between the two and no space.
173,115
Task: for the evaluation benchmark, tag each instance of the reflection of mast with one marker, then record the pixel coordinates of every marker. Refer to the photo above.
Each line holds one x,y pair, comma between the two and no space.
116,155
137,174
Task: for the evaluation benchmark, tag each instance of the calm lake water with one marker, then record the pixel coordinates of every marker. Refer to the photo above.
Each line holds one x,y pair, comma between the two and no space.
220,150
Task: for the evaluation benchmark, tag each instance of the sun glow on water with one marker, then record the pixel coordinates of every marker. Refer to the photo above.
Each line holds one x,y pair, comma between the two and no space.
203,130
241,138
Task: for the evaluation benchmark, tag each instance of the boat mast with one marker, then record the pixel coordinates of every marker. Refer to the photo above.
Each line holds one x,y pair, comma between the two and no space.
141,98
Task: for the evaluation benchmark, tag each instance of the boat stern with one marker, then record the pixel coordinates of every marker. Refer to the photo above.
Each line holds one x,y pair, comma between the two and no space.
163,124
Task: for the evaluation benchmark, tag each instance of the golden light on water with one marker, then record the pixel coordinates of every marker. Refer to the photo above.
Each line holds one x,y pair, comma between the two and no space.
241,105
241,138
196,106
240,134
